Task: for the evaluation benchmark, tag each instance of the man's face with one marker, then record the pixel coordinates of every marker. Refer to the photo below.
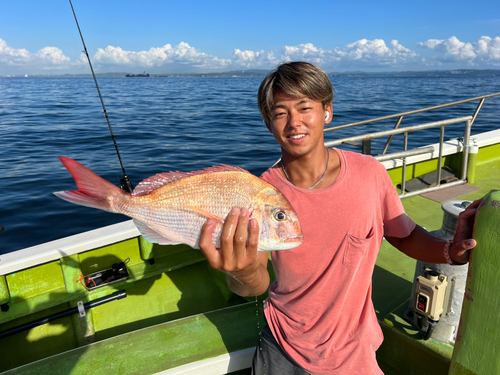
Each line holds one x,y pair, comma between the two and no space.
297,123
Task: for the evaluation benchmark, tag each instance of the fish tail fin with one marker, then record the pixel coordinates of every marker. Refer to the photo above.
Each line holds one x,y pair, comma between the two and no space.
93,191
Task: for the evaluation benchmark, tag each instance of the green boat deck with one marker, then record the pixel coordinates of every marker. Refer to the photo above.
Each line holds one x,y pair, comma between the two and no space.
155,349
178,310
139,335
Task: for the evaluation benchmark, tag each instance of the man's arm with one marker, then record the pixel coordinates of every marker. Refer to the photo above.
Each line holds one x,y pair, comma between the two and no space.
421,245
245,267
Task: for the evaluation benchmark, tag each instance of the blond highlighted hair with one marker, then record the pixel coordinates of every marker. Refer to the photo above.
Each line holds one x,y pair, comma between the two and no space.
296,79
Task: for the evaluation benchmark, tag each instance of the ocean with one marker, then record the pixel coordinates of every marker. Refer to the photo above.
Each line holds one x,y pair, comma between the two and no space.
175,123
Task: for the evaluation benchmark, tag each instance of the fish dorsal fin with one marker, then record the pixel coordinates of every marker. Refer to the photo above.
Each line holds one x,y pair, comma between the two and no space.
157,181
154,182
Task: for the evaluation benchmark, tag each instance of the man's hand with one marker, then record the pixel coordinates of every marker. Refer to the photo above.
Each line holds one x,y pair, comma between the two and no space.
463,241
238,256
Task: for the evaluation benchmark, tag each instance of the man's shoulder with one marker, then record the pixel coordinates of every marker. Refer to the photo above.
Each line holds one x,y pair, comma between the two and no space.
269,175
355,159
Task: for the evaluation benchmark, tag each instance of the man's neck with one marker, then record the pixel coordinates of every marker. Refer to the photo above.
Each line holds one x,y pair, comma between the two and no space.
311,171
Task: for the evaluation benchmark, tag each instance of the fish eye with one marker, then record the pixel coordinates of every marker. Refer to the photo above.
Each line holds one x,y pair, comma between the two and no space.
279,215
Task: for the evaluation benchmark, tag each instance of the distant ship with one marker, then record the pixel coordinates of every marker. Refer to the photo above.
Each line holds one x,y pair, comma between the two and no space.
138,75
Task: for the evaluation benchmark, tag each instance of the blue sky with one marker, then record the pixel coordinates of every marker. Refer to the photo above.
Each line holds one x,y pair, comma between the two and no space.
40,37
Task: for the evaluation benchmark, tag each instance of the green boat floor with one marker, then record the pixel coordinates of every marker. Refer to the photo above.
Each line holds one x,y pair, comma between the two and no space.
160,347
171,295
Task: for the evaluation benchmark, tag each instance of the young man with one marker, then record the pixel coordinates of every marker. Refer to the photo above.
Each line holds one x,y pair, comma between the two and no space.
319,312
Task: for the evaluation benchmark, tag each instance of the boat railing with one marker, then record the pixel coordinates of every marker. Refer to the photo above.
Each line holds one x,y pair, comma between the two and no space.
465,141
401,116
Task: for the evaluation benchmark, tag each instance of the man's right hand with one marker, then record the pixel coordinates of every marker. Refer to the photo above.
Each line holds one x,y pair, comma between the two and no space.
238,256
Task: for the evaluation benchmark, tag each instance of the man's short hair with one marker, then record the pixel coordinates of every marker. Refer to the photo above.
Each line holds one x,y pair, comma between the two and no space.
296,79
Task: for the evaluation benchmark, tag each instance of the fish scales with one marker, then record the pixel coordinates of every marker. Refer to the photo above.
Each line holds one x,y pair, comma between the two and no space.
172,207
170,215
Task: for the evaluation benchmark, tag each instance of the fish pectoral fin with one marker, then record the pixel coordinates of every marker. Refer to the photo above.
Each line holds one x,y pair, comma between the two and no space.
153,236
205,213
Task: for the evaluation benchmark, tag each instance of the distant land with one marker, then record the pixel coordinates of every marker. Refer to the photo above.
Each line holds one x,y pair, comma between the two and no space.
425,73
264,72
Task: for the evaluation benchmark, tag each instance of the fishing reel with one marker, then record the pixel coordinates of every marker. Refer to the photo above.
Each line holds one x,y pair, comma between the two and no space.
126,185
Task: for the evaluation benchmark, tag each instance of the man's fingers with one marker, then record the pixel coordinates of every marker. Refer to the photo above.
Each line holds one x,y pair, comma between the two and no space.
462,242
206,234
466,245
461,251
241,234
206,245
238,241
471,209
253,236
476,203
227,240
466,222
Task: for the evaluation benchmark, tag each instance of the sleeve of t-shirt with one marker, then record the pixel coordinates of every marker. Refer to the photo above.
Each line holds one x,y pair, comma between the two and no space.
396,222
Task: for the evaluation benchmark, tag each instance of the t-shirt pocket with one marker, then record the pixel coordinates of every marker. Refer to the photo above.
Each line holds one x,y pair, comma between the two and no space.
355,249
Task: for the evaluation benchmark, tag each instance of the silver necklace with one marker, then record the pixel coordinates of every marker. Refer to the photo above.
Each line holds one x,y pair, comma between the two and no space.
321,179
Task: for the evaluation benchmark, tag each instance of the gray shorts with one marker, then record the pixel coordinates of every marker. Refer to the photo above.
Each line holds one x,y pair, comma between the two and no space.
270,359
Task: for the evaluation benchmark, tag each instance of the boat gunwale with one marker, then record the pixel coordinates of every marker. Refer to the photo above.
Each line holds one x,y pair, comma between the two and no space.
67,246
450,147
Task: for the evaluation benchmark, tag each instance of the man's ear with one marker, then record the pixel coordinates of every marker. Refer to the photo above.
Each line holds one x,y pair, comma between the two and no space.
329,108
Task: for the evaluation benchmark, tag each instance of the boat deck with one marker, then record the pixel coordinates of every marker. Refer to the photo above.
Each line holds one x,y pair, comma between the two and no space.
393,278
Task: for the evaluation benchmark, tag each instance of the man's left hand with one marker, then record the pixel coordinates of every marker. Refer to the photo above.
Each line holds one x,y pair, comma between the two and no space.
463,242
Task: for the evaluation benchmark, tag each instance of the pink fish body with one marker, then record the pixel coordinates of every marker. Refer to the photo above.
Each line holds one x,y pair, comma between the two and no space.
171,208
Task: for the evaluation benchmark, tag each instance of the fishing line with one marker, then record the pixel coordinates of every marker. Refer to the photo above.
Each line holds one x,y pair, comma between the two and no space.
125,183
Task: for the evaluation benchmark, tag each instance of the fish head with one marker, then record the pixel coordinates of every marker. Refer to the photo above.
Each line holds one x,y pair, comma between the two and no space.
279,223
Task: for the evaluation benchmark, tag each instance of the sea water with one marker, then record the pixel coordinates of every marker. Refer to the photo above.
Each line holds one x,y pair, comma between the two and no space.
175,123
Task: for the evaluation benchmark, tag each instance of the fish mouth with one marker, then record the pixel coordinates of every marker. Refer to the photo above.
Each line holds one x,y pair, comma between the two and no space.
285,244
294,239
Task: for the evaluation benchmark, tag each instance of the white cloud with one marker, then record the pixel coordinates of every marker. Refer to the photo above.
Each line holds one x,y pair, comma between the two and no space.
302,50
376,52
52,57
82,60
46,58
250,59
362,54
161,56
486,51
451,50
12,56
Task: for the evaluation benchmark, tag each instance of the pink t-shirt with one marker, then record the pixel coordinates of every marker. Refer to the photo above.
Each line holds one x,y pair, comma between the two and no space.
320,309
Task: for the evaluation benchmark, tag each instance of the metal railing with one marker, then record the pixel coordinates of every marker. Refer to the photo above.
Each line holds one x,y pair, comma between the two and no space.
468,120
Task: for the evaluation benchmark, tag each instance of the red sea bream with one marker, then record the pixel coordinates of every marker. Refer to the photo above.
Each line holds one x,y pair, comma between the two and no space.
172,207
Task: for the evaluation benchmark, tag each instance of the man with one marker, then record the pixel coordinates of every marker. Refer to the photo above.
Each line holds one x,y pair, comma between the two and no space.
319,312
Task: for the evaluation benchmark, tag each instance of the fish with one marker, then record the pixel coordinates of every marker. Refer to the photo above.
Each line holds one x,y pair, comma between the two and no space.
172,207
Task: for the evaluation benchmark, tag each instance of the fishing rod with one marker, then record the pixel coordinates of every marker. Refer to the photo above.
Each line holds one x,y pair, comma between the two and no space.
125,183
